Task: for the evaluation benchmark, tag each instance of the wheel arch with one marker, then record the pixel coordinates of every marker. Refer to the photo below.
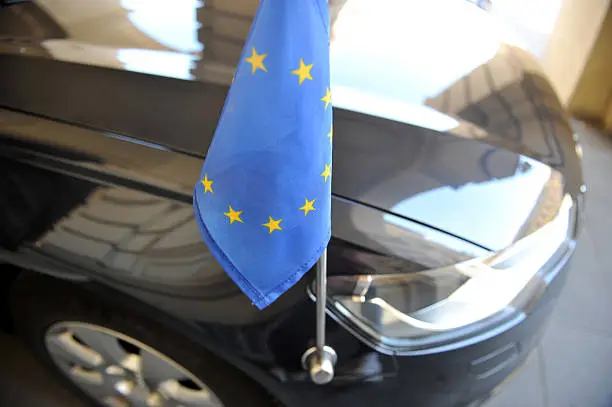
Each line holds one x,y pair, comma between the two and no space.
111,297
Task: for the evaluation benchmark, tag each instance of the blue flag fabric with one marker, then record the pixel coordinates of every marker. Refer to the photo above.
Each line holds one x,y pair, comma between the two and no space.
263,202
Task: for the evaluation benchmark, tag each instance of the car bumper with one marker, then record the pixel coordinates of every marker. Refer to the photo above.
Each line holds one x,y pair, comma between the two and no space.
452,378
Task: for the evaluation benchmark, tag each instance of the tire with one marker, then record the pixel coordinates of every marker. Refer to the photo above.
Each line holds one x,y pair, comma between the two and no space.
38,303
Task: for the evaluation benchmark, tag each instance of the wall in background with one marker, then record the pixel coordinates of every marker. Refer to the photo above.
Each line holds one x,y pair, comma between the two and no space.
608,118
592,99
561,33
570,43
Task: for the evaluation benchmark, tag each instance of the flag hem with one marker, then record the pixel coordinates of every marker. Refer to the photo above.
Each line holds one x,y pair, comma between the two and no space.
259,300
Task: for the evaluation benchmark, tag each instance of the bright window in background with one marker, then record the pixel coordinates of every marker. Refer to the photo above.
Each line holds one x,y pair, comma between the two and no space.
531,20
389,56
490,213
483,4
409,50
173,24
162,63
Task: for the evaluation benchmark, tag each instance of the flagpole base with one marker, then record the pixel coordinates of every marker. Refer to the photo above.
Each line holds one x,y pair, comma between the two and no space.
320,364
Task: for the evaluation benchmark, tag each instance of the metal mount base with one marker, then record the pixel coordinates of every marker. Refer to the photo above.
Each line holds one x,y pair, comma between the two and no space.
320,365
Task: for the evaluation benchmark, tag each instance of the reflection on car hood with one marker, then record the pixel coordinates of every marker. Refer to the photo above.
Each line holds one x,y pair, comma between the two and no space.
491,213
479,146
484,194
437,117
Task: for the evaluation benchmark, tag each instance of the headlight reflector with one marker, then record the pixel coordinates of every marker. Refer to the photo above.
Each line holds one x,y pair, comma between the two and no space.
421,312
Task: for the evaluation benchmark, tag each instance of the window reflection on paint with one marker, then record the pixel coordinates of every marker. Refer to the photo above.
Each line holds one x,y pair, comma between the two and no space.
162,63
173,24
491,213
398,110
409,50
398,53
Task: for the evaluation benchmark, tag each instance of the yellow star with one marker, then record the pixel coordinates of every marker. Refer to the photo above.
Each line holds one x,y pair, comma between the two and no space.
273,225
303,71
233,215
308,206
207,184
327,98
330,134
256,61
327,172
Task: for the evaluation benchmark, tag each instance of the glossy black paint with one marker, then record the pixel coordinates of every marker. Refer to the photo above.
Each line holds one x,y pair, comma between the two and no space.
106,114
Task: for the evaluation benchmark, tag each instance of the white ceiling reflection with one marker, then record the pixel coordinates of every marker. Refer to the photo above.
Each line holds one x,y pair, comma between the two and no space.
175,27
409,50
488,213
162,63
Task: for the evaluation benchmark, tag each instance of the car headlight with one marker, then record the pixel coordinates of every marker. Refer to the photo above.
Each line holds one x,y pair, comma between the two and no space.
418,313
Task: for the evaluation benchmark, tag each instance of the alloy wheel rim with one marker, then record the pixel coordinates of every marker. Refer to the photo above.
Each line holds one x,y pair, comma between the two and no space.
120,371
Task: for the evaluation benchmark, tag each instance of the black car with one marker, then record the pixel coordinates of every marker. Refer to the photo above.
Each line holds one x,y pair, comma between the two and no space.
457,198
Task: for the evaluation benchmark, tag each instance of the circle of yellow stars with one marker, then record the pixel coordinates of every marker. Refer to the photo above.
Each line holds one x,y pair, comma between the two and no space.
303,72
308,206
256,61
326,172
233,215
207,185
327,98
273,225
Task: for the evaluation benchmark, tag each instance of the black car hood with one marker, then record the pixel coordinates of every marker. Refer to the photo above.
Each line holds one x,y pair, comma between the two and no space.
478,145
437,118
481,193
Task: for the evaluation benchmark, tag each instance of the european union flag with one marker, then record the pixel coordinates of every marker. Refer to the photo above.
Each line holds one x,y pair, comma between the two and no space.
264,200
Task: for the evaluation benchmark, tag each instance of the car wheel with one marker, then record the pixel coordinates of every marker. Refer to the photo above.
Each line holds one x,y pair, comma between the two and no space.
111,356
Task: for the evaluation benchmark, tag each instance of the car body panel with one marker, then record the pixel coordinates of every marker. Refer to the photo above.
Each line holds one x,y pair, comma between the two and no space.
491,93
129,216
107,109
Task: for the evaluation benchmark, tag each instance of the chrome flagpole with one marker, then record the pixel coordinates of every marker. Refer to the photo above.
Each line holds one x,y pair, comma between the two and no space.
320,359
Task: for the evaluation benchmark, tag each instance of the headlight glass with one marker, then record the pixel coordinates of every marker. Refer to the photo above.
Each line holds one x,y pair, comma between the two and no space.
421,312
